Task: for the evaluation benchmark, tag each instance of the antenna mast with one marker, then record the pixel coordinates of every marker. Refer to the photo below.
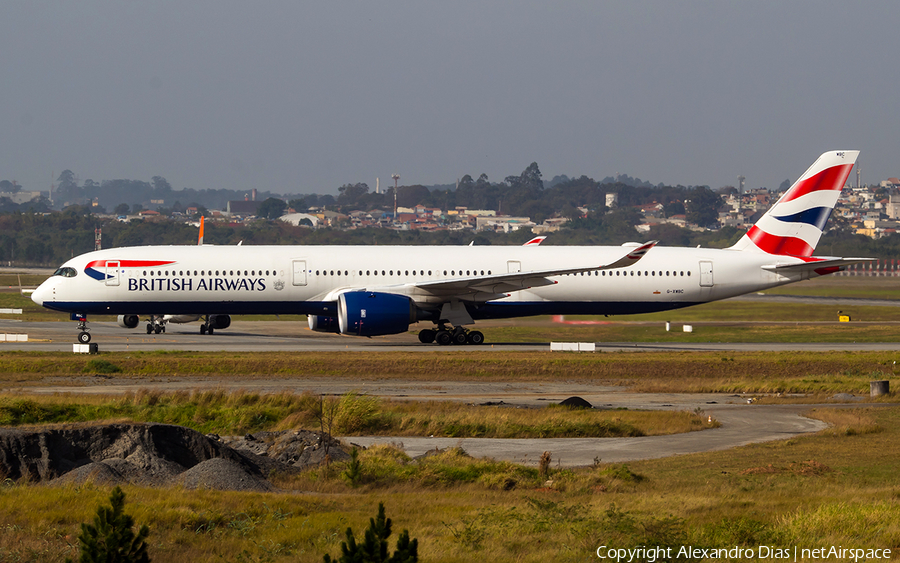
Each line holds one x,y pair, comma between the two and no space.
396,177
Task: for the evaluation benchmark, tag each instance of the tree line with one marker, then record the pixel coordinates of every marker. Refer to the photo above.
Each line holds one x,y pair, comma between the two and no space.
524,194
32,239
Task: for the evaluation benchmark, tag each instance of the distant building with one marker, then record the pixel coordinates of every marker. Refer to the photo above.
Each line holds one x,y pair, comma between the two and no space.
893,207
503,224
295,219
243,208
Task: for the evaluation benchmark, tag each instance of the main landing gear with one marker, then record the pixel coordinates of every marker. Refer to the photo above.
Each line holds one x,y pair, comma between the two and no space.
207,327
446,336
156,324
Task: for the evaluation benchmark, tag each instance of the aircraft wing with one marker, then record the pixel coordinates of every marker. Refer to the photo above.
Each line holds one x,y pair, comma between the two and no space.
516,281
823,265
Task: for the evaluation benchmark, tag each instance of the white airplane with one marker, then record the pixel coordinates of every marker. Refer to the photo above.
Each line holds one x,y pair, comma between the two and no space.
380,290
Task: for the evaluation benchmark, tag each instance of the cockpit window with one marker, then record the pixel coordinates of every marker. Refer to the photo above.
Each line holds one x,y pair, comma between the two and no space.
65,272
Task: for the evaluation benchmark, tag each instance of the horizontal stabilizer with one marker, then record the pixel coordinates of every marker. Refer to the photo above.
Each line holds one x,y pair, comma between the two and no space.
820,266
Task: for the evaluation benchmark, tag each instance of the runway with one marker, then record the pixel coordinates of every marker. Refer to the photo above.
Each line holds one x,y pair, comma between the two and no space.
284,336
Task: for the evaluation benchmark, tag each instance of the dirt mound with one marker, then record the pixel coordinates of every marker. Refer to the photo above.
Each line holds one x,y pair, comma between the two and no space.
94,472
298,448
156,454
576,403
222,474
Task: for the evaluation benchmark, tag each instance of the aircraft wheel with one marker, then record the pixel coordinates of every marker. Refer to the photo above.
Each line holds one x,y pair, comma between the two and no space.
460,338
475,337
158,329
149,328
427,336
164,328
202,329
84,337
443,338
209,331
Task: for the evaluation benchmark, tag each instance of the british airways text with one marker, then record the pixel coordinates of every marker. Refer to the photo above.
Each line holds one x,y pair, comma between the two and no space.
188,284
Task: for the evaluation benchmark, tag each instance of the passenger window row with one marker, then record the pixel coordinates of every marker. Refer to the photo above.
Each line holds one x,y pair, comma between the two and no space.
645,273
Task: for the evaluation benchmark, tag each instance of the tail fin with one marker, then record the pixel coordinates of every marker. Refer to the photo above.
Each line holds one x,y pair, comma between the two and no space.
793,225
200,238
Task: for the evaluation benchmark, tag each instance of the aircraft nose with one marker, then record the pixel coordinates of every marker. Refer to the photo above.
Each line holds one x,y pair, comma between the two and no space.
39,294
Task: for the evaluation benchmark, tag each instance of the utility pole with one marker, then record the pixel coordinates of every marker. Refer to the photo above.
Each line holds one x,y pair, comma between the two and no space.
396,177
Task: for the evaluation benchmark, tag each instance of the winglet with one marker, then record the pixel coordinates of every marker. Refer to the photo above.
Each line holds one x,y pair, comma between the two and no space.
632,257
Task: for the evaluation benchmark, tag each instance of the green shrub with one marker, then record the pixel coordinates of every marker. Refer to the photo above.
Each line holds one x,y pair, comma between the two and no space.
110,538
356,412
374,548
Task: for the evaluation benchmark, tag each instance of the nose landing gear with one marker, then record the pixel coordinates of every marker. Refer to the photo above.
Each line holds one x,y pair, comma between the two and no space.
84,336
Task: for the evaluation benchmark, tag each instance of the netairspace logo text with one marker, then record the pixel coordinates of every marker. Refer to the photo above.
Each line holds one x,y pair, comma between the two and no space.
795,553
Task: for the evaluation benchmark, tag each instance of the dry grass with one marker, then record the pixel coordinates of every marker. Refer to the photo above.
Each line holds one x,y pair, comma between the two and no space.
825,489
761,372
241,412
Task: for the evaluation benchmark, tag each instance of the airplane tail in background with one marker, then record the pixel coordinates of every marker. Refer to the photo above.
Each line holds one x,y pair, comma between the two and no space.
200,237
794,224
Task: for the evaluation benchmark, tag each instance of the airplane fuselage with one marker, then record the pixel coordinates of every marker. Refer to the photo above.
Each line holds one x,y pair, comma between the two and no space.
195,280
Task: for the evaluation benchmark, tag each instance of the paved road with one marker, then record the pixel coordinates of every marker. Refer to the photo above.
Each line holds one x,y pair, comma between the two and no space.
740,426
272,336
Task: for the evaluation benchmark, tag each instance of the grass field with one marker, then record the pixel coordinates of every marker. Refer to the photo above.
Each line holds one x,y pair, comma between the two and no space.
839,487
693,372
242,413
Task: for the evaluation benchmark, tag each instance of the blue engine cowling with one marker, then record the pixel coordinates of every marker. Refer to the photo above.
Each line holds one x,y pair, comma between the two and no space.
319,323
367,313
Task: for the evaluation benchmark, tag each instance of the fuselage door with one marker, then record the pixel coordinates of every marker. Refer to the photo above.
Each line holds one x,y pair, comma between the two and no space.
112,272
706,274
513,266
299,272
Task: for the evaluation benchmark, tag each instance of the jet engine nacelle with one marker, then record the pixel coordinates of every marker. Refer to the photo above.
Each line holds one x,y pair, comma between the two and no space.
128,321
219,322
367,313
181,319
319,323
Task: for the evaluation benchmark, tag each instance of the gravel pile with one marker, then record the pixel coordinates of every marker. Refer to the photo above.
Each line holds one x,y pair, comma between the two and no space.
298,448
222,474
158,455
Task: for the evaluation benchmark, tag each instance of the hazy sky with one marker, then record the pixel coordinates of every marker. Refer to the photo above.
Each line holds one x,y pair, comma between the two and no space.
295,96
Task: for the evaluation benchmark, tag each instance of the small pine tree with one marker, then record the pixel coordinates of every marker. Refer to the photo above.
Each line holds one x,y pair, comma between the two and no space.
110,538
374,548
353,473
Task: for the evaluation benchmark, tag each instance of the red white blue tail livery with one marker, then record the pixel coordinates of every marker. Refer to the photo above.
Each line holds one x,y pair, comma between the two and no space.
795,223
